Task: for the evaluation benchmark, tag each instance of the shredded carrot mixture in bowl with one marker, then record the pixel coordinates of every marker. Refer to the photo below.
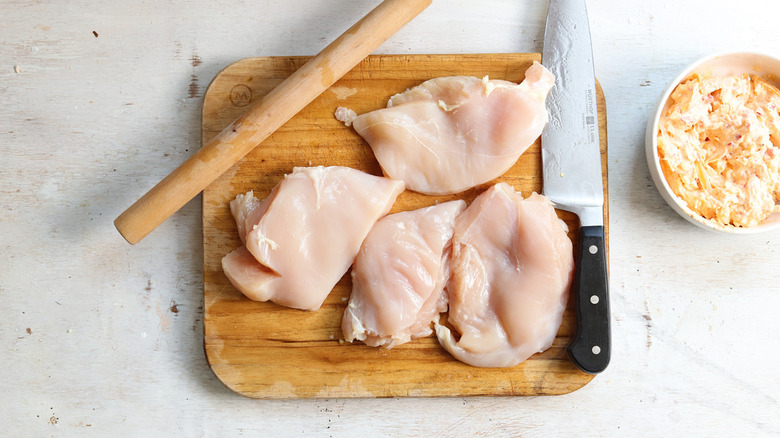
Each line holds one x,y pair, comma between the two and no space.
713,143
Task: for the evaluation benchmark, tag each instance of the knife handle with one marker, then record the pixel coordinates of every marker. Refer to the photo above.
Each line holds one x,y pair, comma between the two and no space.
591,347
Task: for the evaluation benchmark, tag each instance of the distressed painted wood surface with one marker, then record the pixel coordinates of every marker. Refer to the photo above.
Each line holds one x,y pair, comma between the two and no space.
263,350
98,338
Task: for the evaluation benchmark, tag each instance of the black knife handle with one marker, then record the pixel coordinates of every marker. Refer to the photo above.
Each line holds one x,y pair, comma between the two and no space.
591,347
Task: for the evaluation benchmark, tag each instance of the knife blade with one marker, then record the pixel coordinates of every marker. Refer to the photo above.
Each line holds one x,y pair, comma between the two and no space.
571,161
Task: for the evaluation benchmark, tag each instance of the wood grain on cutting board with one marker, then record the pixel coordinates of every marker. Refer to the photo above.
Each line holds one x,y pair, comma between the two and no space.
263,350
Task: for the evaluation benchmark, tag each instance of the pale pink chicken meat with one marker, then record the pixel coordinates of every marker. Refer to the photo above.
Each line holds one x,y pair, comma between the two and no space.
511,267
399,275
301,239
449,134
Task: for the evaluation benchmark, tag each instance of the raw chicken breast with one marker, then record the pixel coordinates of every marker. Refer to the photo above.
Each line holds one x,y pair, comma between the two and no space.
452,133
511,267
302,239
247,210
247,274
399,275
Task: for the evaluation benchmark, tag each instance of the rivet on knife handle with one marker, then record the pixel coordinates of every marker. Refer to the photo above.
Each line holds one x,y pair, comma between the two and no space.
591,347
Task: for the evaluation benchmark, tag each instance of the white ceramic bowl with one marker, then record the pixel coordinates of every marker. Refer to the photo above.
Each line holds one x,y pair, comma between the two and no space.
720,64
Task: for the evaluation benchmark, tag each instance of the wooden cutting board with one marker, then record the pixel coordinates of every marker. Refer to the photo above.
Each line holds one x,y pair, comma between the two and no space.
262,350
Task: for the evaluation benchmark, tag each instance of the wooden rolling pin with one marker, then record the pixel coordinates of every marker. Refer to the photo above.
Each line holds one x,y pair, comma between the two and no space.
265,117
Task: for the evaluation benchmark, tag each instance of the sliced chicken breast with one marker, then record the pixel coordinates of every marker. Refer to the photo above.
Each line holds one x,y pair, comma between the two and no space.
399,275
305,235
512,266
452,133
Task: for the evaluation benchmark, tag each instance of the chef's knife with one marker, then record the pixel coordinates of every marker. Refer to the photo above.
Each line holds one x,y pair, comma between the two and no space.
571,159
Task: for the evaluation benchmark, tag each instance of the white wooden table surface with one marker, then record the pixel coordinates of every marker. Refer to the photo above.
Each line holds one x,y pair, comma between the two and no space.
100,100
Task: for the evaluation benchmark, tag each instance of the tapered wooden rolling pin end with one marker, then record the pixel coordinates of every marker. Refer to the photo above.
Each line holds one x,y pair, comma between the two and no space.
265,117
